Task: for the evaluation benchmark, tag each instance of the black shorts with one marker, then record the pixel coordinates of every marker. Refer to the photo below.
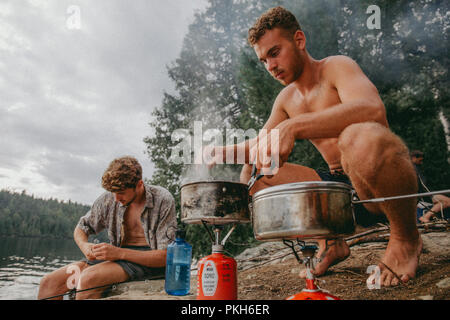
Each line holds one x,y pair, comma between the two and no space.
135,271
363,216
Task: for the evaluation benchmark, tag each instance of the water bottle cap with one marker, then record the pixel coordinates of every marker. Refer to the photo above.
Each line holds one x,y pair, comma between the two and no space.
180,234
217,248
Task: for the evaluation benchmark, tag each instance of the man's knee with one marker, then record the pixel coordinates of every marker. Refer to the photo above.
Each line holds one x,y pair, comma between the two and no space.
370,141
362,136
87,278
47,282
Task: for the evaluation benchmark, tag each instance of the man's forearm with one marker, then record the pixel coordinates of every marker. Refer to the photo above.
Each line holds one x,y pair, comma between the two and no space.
151,258
236,153
80,237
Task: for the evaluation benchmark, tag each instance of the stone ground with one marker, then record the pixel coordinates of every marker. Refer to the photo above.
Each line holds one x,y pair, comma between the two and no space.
270,272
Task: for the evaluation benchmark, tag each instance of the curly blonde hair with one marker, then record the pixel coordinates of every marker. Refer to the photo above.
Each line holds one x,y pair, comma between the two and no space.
122,173
277,17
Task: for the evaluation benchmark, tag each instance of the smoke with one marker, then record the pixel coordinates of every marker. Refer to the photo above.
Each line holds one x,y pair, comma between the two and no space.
209,130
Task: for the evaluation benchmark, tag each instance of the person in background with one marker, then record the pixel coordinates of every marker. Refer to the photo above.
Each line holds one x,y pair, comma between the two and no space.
417,160
440,208
440,202
140,220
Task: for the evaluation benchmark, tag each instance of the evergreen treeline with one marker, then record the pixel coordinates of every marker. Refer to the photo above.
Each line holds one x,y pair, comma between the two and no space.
25,215
219,81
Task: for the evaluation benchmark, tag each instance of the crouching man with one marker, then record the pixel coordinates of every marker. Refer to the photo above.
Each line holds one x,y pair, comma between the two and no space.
140,220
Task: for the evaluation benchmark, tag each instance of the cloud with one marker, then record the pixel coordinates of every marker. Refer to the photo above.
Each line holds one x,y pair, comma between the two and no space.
73,99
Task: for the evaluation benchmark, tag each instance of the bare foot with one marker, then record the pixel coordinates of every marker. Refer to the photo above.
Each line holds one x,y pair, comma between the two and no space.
329,255
400,261
427,217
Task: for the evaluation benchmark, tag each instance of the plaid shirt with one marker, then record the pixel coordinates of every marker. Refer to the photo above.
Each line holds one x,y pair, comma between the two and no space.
158,218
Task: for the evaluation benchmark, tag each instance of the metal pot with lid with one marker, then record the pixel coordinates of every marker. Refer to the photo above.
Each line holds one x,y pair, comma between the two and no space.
316,209
214,202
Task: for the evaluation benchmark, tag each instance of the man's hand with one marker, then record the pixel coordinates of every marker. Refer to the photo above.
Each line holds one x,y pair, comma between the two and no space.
87,251
210,156
106,251
273,145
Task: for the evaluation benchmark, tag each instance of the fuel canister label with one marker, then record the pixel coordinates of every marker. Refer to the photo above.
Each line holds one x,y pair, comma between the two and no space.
210,278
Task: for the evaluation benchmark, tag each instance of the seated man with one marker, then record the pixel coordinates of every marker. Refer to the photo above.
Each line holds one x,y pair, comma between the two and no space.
440,203
333,104
440,207
140,219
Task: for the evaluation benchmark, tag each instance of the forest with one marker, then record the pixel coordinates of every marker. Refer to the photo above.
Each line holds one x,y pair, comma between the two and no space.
220,82
24,215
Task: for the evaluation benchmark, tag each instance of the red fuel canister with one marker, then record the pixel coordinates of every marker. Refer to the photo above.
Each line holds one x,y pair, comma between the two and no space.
312,291
217,276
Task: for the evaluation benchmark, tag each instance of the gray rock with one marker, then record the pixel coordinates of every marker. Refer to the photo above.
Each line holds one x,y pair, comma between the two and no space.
445,283
425,297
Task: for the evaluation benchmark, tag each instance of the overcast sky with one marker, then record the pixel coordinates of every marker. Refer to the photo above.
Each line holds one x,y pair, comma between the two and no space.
78,81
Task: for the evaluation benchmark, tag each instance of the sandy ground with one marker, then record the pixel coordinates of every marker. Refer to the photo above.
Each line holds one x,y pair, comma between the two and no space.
261,277
347,280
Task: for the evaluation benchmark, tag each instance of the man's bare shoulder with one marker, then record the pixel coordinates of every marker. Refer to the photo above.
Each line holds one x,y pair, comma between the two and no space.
287,96
340,63
337,60
288,92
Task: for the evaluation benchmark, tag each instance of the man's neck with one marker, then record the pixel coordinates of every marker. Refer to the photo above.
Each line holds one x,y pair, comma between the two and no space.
309,77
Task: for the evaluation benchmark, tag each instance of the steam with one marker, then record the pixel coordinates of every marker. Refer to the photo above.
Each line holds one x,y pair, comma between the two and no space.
209,130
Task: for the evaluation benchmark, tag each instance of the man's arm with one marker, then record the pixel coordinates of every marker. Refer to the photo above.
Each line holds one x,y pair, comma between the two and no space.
150,258
81,239
360,102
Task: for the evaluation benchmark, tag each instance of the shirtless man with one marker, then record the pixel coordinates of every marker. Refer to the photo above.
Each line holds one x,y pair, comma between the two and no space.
140,219
334,105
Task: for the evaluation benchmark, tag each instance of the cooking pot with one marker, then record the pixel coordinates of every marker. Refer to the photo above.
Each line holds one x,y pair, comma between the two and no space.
214,202
318,209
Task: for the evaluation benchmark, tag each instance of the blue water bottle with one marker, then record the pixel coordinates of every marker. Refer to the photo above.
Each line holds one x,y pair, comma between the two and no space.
178,266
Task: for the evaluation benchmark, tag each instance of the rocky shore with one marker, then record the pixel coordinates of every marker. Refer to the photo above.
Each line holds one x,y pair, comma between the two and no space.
270,272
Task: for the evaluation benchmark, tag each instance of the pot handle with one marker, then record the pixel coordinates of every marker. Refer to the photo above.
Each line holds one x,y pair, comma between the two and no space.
255,177
400,197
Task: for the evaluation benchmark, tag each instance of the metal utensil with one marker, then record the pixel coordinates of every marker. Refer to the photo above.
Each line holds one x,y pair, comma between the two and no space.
375,200
255,177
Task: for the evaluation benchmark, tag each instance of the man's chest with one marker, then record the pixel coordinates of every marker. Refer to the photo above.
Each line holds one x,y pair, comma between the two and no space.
132,218
319,98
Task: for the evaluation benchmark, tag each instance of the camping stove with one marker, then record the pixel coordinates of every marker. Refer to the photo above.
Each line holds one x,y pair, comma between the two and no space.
311,291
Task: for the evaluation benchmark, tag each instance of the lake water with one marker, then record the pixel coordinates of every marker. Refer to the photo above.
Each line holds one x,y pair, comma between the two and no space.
24,261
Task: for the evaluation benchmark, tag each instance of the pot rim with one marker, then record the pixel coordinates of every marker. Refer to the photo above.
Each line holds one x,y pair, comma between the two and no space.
304,186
